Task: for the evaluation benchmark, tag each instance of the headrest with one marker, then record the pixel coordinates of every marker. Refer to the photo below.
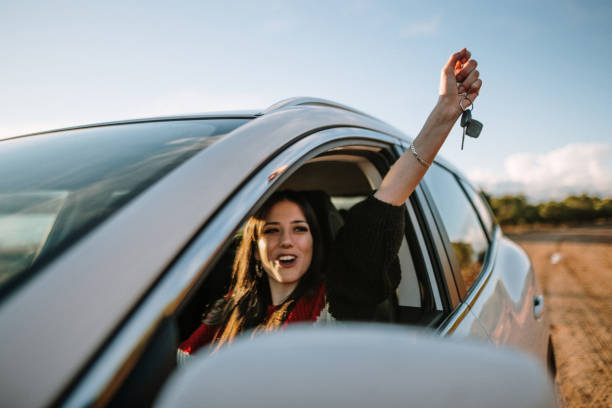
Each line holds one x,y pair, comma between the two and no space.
330,220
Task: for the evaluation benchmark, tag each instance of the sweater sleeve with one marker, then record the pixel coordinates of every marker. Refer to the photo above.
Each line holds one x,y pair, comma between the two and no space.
362,269
198,339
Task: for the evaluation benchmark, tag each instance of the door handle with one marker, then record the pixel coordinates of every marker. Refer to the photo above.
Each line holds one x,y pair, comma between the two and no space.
538,306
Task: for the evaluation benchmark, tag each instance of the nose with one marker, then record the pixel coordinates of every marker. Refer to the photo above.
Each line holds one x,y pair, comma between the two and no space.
286,241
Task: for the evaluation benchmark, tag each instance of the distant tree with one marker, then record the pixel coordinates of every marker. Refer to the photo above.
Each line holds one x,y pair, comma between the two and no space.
603,208
579,208
515,210
464,253
553,212
508,208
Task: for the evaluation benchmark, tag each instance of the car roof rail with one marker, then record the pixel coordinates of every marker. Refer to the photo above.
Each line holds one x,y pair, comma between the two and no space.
309,101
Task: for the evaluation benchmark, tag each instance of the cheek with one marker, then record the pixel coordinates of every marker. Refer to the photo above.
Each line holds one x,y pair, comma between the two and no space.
307,245
262,250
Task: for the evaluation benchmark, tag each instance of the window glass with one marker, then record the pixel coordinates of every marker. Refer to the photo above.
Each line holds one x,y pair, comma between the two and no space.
481,206
460,221
55,187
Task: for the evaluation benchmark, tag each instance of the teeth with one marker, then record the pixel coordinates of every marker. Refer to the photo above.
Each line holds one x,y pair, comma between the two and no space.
286,258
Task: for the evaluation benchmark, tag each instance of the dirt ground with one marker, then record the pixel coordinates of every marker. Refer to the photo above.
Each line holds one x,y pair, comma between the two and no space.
574,267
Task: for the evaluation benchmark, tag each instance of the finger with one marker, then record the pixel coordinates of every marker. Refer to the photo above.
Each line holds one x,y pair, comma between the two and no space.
465,71
453,60
466,56
469,80
475,89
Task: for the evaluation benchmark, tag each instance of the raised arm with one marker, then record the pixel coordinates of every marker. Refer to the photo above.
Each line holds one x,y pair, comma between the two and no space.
459,75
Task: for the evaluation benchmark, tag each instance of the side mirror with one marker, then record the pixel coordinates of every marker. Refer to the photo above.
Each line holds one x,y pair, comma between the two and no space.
359,366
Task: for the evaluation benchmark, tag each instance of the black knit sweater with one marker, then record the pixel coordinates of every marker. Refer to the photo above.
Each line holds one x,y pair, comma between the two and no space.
363,268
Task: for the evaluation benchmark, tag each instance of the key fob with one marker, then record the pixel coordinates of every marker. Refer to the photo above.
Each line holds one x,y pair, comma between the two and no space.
474,128
466,117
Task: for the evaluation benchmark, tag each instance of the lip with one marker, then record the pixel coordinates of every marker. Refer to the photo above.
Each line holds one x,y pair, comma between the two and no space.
286,264
286,254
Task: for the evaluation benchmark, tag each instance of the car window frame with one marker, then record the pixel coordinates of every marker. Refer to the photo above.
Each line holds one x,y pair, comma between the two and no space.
493,236
489,258
466,185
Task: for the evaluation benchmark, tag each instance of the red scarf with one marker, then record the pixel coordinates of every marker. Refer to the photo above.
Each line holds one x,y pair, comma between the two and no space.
306,309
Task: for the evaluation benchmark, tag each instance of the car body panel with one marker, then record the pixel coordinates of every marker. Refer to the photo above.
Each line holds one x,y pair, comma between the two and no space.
502,297
132,270
462,324
504,305
360,366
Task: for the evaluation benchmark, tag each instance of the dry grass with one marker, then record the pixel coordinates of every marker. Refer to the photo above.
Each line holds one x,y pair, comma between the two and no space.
578,295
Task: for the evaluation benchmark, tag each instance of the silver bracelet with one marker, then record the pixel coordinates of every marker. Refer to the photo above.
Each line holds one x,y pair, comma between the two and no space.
421,161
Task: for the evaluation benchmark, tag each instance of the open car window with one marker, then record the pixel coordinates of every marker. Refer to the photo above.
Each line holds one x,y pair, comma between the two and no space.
346,176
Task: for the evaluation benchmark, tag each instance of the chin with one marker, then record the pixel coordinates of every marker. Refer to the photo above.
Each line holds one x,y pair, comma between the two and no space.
289,277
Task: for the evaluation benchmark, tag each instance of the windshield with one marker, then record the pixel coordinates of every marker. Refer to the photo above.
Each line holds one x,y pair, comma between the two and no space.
56,187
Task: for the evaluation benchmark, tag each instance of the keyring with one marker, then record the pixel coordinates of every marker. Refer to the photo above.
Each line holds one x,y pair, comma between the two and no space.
464,97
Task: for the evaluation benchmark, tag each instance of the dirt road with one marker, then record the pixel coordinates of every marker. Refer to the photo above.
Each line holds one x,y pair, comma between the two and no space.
574,267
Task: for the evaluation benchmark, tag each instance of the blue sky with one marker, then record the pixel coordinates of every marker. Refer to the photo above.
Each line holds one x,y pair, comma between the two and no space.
546,101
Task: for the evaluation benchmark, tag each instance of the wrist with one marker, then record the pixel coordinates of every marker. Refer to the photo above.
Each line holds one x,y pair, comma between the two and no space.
447,110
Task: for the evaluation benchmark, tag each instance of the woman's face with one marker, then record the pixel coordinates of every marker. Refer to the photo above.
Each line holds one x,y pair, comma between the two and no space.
285,245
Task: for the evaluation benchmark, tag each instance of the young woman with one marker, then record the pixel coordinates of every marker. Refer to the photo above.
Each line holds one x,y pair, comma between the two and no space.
283,274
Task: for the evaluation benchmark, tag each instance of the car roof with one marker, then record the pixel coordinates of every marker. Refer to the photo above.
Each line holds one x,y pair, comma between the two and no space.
309,101
285,104
238,114
231,114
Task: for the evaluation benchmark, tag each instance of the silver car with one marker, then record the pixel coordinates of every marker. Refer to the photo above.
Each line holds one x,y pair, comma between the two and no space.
114,237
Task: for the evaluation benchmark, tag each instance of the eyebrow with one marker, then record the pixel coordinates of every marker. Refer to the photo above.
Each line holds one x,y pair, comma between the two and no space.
292,222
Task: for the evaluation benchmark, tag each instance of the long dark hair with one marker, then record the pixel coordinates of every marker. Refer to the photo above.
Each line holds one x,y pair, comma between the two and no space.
245,306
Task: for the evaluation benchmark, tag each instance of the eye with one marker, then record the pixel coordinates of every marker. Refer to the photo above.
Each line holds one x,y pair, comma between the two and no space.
301,228
270,231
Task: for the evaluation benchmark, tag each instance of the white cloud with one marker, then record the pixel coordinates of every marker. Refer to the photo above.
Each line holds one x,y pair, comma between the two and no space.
421,28
573,169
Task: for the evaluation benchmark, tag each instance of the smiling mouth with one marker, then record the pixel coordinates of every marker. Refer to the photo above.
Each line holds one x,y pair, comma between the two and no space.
287,261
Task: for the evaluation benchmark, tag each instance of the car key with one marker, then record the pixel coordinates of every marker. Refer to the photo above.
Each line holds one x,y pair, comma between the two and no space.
473,128
466,118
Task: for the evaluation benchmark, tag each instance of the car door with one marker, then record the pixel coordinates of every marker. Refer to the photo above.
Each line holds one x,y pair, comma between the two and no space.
494,278
510,303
